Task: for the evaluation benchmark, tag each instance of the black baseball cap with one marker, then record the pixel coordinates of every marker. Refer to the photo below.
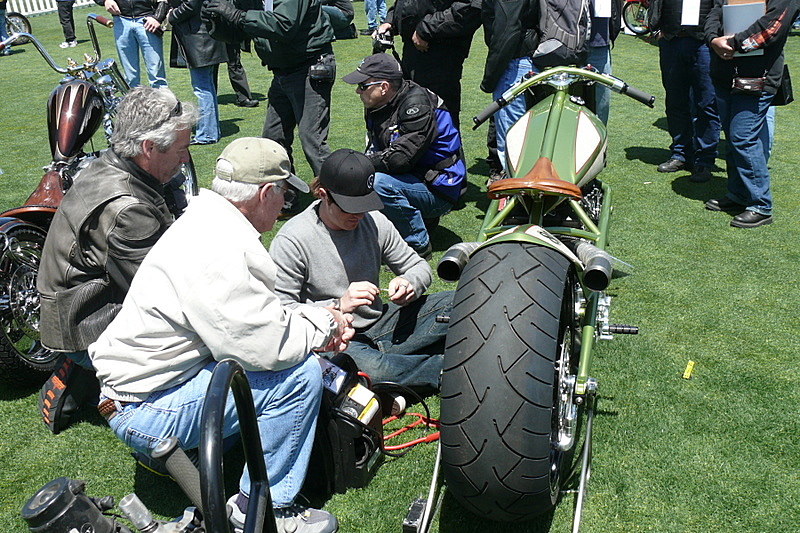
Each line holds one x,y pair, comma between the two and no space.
348,176
380,66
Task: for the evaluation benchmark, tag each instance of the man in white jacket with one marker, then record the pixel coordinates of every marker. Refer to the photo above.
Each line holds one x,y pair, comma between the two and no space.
205,293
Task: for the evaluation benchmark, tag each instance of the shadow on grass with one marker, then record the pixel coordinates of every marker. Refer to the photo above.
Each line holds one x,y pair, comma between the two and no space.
715,188
10,391
453,518
647,154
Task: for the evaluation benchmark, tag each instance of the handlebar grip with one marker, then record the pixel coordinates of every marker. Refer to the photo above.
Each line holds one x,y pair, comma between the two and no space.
640,96
484,115
108,23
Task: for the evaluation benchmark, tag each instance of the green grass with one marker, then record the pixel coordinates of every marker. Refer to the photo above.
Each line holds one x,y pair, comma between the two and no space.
718,452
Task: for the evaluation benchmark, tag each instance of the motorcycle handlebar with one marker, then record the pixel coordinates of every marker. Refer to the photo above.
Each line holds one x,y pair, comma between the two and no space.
484,115
108,23
639,96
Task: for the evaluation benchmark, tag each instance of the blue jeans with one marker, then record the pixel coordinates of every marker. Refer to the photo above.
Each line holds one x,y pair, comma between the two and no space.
406,202
692,117
130,37
295,100
376,13
600,58
744,120
204,85
287,405
3,32
508,115
406,344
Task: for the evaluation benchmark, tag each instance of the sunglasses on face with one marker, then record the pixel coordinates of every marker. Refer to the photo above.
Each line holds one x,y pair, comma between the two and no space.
289,194
363,86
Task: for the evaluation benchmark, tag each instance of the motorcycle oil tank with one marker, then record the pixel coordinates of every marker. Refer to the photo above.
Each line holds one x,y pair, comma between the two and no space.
577,137
74,113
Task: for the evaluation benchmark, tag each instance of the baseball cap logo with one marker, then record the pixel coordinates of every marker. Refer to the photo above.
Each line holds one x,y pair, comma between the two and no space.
371,182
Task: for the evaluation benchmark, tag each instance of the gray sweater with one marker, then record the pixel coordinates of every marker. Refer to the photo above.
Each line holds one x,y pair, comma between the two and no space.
317,264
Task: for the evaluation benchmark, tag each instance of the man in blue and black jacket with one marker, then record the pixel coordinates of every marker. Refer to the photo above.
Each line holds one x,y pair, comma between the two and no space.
414,146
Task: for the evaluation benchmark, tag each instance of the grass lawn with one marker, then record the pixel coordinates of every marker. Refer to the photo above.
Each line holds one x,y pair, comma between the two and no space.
717,452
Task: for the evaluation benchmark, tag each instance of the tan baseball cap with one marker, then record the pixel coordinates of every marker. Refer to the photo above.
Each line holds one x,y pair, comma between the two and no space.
257,160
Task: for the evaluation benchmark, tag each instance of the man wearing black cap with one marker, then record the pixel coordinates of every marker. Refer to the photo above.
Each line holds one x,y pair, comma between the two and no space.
331,255
413,145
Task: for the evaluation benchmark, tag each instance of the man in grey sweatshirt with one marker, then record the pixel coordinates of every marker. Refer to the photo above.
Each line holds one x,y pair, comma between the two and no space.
332,252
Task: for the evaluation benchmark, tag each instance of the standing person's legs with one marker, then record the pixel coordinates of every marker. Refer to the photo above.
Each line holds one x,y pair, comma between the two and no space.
238,77
152,47
280,121
66,19
677,82
600,58
205,89
126,40
3,32
314,120
509,114
706,117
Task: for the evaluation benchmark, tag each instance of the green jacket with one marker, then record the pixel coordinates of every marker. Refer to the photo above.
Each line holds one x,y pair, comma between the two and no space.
291,35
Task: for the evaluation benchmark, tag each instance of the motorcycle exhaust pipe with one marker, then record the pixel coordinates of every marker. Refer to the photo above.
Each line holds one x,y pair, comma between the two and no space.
454,259
597,270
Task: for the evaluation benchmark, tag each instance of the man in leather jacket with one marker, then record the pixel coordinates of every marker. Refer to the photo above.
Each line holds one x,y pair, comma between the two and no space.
437,35
137,27
106,223
414,146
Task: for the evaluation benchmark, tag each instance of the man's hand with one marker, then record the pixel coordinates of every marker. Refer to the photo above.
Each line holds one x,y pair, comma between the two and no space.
723,47
357,294
383,28
419,43
151,24
401,292
112,7
342,334
222,9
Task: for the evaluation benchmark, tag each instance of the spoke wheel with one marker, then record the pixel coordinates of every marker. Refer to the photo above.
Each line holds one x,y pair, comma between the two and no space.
16,23
23,358
634,14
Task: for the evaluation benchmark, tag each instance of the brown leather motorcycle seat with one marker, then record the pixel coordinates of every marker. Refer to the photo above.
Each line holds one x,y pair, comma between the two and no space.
542,177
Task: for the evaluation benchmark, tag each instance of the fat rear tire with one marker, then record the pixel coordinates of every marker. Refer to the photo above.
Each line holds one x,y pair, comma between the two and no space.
23,359
513,314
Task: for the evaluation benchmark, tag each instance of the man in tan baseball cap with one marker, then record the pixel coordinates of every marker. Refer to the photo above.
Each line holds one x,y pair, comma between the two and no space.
204,293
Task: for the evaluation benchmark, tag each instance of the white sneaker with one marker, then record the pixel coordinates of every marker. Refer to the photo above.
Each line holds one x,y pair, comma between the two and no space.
68,44
293,519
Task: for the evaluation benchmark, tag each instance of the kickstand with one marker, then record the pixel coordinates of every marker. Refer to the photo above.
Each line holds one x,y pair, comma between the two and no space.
422,510
586,457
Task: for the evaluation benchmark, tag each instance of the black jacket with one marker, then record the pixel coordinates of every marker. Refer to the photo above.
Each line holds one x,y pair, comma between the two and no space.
665,16
190,38
768,33
291,36
140,8
509,28
442,23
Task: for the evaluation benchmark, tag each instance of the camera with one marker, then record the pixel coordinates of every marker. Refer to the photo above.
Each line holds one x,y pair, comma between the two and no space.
382,42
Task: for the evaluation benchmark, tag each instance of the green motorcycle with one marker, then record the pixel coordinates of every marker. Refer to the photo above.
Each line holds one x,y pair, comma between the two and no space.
529,307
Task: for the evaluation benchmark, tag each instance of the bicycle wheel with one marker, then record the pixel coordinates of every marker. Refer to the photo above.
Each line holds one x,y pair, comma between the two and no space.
634,14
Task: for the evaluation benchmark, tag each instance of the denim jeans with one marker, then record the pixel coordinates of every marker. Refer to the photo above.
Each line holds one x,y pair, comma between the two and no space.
406,344
406,202
692,117
287,404
744,120
204,85
506,117
376,13
295,100
3,33
600,58
130,37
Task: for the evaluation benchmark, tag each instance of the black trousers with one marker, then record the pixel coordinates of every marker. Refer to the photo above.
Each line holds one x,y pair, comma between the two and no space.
236,73
65,18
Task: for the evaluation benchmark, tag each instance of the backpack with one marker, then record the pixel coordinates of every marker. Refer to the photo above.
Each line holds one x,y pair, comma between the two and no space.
564,27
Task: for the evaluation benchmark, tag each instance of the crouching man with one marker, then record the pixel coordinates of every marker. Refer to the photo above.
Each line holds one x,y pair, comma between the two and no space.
204,293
